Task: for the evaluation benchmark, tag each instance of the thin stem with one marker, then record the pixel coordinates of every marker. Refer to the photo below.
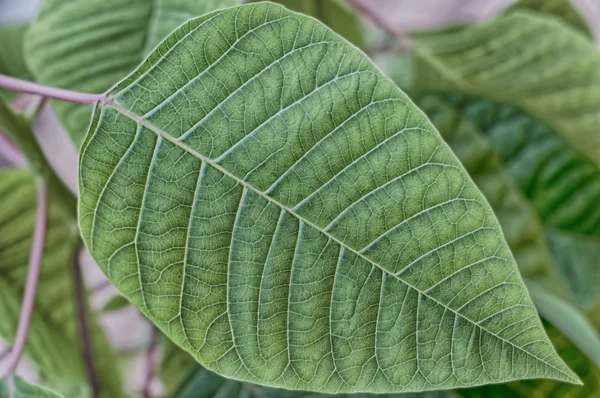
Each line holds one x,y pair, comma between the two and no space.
24,86
146,393
35,265
84,333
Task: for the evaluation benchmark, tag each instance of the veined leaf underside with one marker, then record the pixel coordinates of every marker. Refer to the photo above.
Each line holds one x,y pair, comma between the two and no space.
287,215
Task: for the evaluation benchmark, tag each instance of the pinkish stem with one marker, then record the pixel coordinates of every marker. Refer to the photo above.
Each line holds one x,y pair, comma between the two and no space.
23,86
35,265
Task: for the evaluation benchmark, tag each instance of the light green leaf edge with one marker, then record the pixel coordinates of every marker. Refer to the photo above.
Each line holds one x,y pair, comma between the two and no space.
111,182
23,389
89,45
525,59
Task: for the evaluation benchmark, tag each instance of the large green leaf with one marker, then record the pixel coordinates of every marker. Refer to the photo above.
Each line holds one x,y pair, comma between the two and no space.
258,187
89,45
526,59
53,339
22,389
333,13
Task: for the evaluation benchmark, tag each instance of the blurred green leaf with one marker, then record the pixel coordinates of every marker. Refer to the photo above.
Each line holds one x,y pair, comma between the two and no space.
12,62
116,303
567,318
334,13
53,340
89,45
562,9
23,389
527,59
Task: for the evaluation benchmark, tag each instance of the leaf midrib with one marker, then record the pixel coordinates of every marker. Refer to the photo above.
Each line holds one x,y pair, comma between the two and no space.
107,101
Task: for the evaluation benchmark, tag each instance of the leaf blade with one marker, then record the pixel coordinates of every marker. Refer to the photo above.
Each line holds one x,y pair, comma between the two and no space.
296,213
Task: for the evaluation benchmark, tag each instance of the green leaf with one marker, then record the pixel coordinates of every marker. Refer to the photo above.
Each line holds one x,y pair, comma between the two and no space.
22,389
562,9
334,13
525,59
175,367
12,62
577,259
258,186
568,320
89,45
53,339
116,303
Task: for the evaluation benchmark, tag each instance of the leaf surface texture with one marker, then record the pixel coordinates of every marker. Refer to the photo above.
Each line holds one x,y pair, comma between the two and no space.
258,187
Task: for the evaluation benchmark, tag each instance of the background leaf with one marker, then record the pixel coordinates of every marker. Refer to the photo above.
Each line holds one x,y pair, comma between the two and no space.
526,59
89,45
12,62
53,341
568,320
22,389
288,192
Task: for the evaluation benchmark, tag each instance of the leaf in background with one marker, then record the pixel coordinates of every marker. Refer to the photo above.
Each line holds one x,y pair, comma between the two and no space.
176,367
562,185
568,320
53,340
48,344
562,9
116,303
277,191
577,257
525,59
89,45
12,62
22,389
334,13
